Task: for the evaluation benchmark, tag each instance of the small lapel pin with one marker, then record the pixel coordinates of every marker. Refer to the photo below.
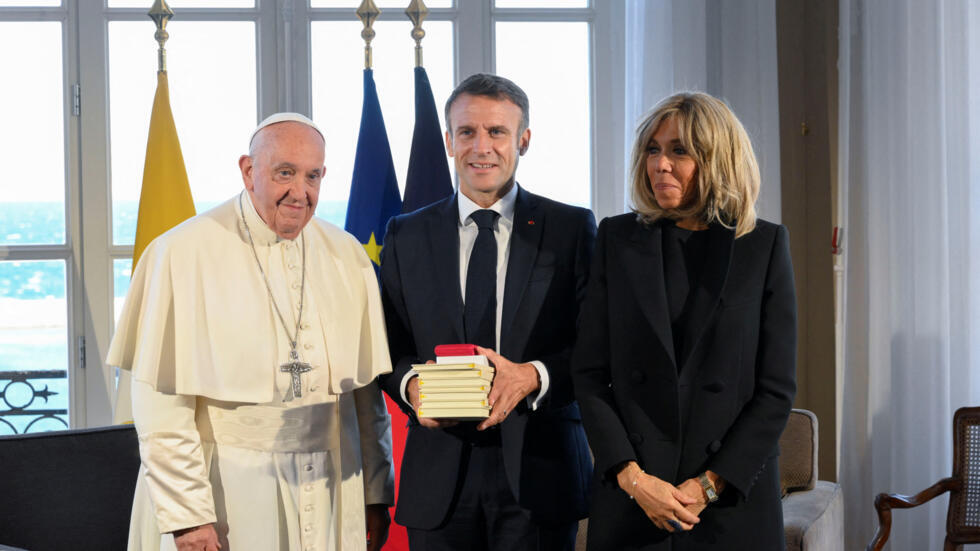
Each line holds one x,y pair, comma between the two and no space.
530,222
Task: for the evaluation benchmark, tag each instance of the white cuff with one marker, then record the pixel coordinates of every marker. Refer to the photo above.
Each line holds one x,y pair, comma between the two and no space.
543,391
404,385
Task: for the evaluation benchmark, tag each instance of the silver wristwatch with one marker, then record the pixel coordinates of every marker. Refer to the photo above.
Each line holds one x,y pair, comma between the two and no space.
709,490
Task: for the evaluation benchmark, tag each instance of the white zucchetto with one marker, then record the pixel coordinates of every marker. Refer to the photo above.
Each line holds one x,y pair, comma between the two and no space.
285,116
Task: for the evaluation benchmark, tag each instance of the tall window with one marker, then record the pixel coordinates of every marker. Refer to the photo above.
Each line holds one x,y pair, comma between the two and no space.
75,133
558,163
213,96
35,241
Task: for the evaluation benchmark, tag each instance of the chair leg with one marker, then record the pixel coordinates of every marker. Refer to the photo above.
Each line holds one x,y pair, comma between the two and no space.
950,546
884,525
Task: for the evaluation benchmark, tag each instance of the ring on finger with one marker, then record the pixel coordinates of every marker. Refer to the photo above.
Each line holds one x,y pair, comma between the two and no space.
675,525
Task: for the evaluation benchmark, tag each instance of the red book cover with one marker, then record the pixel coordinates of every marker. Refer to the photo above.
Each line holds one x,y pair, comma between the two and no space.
456,350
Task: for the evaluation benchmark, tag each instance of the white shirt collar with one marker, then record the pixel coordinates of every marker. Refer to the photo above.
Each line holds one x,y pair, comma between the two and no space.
504,206
262,234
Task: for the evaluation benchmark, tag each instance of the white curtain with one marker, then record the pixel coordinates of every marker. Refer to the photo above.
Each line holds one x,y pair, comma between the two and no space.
910,188
725,48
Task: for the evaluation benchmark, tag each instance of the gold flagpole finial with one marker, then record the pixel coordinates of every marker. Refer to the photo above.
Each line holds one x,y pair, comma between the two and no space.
417,12
161,13
367,12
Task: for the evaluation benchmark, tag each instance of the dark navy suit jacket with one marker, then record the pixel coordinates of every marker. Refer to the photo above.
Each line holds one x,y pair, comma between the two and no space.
546,457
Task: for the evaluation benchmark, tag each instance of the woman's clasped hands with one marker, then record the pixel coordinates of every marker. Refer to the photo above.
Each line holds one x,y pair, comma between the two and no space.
670,508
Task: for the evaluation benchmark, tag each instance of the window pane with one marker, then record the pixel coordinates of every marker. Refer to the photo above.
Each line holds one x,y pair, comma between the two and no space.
338,66
184,4
558,163
211,67
29,3
382,5
542,3
122,271
33,346
33,137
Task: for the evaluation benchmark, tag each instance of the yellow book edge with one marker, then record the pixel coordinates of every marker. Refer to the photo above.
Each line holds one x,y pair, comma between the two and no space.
446,387
444,404
456,374
455,413
444,367
453,397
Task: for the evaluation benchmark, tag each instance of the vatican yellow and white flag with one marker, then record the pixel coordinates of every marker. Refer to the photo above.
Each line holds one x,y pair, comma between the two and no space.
165,201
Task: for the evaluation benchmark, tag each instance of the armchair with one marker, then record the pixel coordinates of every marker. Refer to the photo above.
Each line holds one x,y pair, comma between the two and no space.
963,515
813,510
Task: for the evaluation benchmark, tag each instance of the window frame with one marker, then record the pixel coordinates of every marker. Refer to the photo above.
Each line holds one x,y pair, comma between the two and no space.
70,251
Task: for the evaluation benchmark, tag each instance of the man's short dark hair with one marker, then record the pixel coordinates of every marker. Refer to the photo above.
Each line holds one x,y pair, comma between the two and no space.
491,86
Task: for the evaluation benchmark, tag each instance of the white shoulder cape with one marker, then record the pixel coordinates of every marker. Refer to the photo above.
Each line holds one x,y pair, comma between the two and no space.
198,320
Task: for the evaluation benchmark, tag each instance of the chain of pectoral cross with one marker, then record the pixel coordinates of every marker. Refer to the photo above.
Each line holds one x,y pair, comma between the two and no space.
294,367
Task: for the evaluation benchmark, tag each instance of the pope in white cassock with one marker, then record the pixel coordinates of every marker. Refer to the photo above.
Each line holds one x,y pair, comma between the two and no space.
254,334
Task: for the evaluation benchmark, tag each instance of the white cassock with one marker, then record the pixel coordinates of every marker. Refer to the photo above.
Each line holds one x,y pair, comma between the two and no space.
217,440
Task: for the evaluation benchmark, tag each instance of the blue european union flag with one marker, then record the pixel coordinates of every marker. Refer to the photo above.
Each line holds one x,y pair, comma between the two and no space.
374,196
428,172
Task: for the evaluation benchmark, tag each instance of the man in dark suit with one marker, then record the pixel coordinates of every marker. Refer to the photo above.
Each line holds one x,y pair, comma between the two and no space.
502,268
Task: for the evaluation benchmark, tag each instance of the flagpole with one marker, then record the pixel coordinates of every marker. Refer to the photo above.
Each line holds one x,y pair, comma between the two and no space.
367,12
161,13
428,178
417,12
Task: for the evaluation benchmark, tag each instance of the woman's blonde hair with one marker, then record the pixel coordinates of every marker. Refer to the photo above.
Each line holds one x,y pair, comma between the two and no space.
727,177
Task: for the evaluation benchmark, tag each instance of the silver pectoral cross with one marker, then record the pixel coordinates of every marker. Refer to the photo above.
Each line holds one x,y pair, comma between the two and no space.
295,367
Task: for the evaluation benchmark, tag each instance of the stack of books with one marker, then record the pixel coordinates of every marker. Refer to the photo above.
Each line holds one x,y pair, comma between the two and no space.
456,386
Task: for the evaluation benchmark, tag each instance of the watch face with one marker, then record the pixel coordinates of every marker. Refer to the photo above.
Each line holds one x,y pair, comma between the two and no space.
709,491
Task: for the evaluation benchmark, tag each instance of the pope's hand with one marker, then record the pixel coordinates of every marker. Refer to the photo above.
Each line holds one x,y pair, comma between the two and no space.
376,519
412,389
198,538
511,383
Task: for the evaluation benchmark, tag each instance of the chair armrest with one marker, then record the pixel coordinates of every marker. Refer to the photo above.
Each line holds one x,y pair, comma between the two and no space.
884,503
798,452
813,520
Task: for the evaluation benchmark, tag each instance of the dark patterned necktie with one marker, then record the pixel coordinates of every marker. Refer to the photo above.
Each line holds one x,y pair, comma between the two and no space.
480,306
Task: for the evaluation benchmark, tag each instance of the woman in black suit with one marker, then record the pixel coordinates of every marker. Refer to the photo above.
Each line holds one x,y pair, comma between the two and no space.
685,362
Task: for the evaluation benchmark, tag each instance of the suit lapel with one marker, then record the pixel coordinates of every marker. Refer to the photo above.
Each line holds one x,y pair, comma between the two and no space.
525,240
718,258
444,242
643,262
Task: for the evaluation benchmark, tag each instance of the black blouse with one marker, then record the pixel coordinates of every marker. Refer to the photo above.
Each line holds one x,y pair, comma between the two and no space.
683,255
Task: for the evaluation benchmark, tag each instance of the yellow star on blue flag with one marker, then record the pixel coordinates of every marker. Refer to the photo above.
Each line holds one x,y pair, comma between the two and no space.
374,196
373,250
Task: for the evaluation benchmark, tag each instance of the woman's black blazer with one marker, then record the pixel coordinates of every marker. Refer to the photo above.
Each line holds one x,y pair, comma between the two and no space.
723,410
